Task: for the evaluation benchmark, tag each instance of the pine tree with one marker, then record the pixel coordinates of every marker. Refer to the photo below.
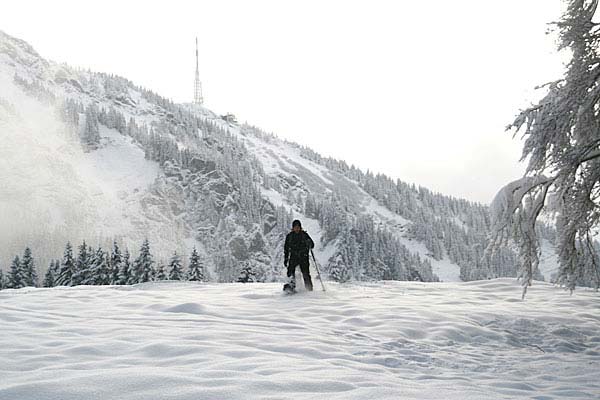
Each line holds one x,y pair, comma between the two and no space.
28,268
196,268
67,268
175,268
116,264
51,274
160,272
247,273
56,270
143,270
16,279
91,132
82,266
100,274
3,283
125,270
339,270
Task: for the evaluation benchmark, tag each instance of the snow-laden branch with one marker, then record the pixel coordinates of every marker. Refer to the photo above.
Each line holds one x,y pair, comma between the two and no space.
514,212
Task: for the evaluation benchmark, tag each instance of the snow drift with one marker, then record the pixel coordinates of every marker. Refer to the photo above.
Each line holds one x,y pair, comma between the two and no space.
390,340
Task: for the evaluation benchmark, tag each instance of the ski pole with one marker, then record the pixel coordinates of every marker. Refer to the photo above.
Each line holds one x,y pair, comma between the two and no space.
318,271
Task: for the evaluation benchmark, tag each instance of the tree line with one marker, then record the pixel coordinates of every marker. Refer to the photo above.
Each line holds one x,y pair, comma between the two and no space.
91,266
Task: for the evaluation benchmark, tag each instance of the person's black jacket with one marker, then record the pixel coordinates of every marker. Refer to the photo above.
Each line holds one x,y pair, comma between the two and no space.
297,246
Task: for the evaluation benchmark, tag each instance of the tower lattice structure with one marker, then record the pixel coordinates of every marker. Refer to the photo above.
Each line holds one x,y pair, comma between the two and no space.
198,99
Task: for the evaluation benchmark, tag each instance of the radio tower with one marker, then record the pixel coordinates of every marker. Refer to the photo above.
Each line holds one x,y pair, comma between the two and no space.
198,99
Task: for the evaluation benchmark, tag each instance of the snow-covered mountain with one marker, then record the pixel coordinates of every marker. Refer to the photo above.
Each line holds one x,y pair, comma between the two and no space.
89,156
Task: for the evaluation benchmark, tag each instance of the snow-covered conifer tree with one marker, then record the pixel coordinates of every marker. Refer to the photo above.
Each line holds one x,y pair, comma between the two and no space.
247,273
161,275
3,282
91,131
116,261
51,274
143,269
196,268
175,268
338,269
82,265
125,277
99,271
67,268
16,278
28,268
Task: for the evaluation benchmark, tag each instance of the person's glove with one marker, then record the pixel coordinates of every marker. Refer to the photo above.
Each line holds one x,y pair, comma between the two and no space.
285,264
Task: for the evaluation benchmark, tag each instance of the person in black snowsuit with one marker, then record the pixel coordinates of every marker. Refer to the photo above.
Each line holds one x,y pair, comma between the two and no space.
297,245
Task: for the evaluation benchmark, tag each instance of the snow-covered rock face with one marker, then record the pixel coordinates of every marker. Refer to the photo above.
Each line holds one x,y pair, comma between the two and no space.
391,340
183,177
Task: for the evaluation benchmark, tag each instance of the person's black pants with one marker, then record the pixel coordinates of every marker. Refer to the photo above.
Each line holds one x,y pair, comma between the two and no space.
304,268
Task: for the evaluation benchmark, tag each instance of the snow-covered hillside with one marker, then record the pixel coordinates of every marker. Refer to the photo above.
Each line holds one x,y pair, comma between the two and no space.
391,340
88,156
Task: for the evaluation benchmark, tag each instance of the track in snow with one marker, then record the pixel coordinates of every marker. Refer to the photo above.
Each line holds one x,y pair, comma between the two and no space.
390,340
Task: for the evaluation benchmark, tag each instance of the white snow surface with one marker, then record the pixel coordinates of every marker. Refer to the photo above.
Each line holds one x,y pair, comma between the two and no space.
387,340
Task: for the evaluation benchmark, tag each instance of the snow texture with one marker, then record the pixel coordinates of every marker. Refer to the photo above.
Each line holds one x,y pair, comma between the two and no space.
389,340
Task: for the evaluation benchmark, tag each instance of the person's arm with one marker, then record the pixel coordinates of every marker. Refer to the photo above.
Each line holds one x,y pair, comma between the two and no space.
309,241
286,250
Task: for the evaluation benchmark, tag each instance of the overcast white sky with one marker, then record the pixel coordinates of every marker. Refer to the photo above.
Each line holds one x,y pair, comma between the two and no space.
419,90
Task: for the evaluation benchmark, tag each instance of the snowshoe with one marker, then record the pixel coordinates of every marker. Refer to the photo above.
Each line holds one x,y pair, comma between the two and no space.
289,289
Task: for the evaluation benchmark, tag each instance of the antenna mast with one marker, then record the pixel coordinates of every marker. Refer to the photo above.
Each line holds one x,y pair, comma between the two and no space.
198,99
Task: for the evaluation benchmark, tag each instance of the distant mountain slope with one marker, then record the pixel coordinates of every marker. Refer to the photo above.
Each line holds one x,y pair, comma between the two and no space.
92,156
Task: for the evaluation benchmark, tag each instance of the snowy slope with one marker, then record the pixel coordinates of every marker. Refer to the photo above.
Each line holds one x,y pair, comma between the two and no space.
282,161
53,191
53,188
393,340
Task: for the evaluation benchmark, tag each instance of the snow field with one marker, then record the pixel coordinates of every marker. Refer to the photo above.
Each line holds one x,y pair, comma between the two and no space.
388,340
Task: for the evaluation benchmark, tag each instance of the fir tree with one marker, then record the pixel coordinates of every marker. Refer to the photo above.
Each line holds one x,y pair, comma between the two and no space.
196,268
175,268
116,264
125,270
51,273
16,279
160,272
67,268
247,273
100,274
56,270
28,268
143,270
3,283
339,270
82,266
91,132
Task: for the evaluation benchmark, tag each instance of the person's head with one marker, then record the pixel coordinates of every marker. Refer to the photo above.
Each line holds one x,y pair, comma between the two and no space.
296,226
